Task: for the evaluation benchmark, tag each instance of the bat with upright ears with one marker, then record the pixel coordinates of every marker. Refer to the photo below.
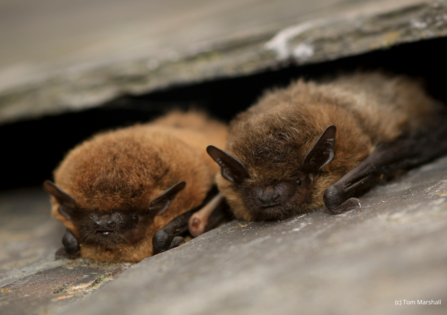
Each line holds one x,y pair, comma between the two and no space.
126,194
314,144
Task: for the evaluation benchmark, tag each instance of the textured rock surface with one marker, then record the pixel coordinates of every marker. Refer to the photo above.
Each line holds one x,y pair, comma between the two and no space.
360,262
31,280
182,42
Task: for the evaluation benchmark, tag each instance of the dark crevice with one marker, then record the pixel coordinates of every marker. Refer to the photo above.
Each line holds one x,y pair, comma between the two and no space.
32,149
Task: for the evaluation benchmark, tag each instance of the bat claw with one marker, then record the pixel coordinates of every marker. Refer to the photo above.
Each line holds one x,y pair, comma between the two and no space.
348,205
177,241
162,239
170,236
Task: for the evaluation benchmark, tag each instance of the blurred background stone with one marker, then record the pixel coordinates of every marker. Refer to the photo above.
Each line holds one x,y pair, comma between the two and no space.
66,56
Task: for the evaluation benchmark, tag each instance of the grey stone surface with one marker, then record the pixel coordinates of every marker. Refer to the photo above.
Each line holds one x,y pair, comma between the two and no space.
180,42
31,280
392,249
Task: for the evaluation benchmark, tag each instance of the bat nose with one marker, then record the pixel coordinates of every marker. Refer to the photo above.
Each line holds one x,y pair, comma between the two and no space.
274,194
268,196
104,225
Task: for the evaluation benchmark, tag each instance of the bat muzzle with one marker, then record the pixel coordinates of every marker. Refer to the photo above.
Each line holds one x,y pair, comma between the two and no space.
274,195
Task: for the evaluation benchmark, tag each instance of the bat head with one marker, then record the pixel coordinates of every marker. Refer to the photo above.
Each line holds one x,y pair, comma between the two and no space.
267,198
113,227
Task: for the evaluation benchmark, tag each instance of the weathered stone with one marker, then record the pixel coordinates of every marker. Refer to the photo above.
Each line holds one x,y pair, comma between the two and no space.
361,262
326,30
31,280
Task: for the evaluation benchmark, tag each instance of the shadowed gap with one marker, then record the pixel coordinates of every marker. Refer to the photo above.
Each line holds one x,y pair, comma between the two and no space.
32,149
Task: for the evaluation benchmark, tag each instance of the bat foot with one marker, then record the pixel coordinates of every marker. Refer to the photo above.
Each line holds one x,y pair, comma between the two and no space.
197,225
208,217
71,249
163,241
62,253
348,205
177,241
170,236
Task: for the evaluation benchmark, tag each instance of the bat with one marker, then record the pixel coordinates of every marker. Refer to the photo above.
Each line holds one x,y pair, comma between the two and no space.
127,194
316,144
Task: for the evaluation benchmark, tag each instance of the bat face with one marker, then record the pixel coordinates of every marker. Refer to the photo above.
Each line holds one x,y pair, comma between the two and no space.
267,198
112,228
273,201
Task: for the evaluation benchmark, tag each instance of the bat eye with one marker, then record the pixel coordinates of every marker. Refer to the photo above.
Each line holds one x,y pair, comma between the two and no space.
298,182
135,218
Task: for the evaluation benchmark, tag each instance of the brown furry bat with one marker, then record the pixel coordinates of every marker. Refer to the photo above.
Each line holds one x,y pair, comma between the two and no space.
116,190
315,144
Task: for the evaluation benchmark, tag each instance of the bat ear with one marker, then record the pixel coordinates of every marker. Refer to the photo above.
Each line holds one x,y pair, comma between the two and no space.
322,152
67,202
233,170
161,203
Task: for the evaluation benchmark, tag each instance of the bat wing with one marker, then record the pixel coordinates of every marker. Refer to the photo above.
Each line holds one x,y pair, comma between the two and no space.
408,151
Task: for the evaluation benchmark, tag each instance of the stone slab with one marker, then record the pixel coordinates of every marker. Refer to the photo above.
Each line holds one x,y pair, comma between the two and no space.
31,280
186,42
362,262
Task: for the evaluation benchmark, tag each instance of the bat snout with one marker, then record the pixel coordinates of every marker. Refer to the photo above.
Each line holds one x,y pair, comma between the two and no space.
110,229
267,197
107,224
274,195
104,226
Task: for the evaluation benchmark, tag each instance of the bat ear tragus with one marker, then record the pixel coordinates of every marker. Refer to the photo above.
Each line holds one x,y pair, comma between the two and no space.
232,169
322,151
160,203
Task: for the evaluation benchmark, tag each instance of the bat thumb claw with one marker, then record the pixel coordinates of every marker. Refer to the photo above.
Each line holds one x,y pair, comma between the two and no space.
348,205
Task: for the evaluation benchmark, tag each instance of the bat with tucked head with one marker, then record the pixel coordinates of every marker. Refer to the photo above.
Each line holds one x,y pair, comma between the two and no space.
314,144
125,194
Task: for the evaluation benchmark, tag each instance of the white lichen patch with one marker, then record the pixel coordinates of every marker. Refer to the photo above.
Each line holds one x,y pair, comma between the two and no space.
280,43
418,24
303,52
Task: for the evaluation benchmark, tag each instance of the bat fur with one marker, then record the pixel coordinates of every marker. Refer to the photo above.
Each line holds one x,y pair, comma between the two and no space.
123,170
272,138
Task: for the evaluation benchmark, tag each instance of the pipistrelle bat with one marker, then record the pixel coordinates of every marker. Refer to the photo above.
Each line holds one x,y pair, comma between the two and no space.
114,191
323,143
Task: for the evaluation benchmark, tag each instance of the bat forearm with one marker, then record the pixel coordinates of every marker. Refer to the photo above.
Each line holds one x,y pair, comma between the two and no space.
409,151
219,215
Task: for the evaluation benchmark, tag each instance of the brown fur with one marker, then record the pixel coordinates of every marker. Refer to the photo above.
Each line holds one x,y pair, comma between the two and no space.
272,137
126,168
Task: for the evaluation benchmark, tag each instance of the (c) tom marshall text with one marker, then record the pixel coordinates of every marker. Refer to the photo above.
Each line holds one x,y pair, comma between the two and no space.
421,302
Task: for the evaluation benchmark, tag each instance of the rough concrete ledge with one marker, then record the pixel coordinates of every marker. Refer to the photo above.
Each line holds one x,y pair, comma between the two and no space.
361,262
31,280
347,30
